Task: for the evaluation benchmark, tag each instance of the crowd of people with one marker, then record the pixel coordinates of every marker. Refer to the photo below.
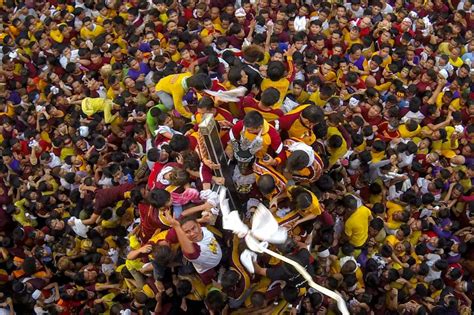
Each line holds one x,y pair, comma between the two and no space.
351,121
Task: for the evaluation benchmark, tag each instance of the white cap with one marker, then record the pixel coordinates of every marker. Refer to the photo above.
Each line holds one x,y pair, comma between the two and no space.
84,131
413,15
324,254
444,73
353,102
459,128
240,13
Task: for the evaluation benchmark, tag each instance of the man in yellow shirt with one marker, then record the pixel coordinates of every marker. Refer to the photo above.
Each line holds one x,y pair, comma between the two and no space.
356,227
90,30
171,90
90,106
336,145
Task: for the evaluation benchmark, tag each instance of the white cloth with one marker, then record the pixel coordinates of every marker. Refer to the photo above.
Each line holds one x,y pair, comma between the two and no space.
161,176
288,105
79,228
228,96
56,161
300,23
211,197
165,129
64,61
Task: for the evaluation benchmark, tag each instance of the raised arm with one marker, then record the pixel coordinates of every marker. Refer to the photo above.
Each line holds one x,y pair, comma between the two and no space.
187,246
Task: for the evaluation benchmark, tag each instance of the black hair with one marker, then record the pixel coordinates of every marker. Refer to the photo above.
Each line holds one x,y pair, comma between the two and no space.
253,119
270,97
377,224
266,184
275,70
313,113
234,75
179,143
216,301
206,102
335,141
183,287
200,81
229,279
349,202
158,198
290,294
297,161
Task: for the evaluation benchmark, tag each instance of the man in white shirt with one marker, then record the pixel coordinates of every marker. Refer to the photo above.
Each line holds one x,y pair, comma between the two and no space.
198,244
386,8
355,7
50,159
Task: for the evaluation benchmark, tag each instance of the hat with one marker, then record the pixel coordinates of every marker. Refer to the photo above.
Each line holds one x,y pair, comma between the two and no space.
324,254
444,73
240,13
353,102
84,131
355,1
407,19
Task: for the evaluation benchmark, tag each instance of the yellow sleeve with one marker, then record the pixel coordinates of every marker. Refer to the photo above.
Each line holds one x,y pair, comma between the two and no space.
87,107
108,117
83,33
178,105
348,228
383,87
56,36
455,104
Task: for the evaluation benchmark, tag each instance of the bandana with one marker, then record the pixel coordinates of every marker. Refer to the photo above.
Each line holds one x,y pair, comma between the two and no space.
161,176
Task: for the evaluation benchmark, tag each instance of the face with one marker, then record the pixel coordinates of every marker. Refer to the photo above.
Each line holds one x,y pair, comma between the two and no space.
214,13
425,143
337,51
208,25
193,231
172,49
354,33
315,29
365,22
299,44
374,111
135,65
185,54
225,24
169,122
57,224
171,26
356,55
278,29
89,25
399,247
297,90
277,57
129,83
244,78
384,52
307,122
303,11
325,69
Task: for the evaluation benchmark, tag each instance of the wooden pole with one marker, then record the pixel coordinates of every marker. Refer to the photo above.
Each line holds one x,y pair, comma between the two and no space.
211,143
